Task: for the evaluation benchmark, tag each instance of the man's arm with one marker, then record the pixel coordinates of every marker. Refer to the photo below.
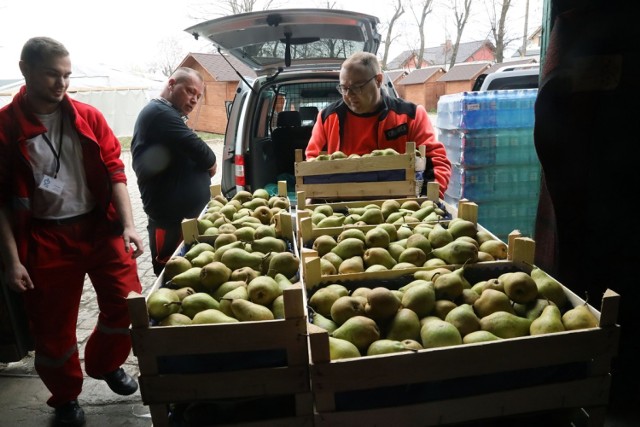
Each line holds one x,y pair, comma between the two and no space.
15,274
123,205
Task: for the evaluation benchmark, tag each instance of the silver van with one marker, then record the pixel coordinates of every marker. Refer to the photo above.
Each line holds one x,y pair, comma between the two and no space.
296,54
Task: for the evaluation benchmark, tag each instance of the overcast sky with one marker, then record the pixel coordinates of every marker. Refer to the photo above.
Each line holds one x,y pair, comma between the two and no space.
126,34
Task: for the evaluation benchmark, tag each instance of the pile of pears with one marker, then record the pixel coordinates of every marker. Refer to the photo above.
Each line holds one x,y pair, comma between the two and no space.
390,247
339,155
256,299
245,209
389,211
245,248
440,308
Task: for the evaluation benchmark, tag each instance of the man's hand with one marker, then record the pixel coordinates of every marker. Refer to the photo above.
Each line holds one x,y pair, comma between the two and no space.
18,279
130,236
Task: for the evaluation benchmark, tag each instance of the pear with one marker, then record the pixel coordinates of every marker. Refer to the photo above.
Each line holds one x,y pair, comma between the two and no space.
235,258
382,304
175,319
390,229
283,281
237,293
340,289
195,250
464,318
404,232
549,321
378,255
349,247
412,344
496,248
245,234
263,213
202,259
203,224
189,278
323,244
342,349
439,236
331,222
327,268
184,292
226,228
462,227
324,322
469,296
493,283
485,257
175,265
430,275
224,239
419,241
579,317
411,205
519,286
354,264
220,251
531,310
263,290
442,307
269,244
359,330
351,232
214,274
212,316
450,286
505,325
361,291
434,262
491,301
388,207
245,274
404,325
456,252
346,307
277,307
479,336
377,237
195,303
415,256
483,236
333,258
263,230
372,216
435,332
247,311
228,287
162,302
548,287
385,346
260,193
285,263
419,298
322,300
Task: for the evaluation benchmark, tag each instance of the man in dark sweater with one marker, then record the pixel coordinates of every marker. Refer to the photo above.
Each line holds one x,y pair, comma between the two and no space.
173,164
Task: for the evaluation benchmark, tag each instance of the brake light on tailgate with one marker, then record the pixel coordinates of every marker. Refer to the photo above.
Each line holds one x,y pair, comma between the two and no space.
239,168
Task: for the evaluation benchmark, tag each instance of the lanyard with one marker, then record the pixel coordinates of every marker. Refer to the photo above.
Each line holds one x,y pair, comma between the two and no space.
53,150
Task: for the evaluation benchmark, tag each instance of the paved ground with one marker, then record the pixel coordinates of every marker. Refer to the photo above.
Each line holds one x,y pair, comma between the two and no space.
22,394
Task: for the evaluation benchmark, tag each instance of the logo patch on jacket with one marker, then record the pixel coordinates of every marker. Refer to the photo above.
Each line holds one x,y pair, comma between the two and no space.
396,132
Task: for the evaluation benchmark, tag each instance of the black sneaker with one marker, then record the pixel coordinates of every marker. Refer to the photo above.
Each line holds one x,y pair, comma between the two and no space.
121,382
69,414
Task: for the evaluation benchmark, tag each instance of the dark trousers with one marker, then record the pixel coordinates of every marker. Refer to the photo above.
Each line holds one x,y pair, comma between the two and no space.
164,239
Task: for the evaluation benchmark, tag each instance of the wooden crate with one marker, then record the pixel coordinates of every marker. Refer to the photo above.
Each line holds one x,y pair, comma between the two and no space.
221,369
358,178
564,376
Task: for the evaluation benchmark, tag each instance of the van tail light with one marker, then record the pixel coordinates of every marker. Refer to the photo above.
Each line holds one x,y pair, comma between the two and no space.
239,168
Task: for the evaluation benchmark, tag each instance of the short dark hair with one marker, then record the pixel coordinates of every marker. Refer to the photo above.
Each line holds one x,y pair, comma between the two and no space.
38,50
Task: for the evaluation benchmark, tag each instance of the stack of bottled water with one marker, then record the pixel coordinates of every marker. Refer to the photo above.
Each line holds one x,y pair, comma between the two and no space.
489,140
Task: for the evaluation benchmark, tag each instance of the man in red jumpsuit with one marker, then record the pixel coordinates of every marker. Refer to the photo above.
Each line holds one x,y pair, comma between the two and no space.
366,119
64,213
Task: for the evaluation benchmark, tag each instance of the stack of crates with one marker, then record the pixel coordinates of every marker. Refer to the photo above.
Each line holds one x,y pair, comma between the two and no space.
489,140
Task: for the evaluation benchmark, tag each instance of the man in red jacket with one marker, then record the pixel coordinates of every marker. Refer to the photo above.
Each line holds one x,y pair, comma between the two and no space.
366,119
65,213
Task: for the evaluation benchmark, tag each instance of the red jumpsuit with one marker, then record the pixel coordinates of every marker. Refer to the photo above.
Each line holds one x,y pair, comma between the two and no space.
59,255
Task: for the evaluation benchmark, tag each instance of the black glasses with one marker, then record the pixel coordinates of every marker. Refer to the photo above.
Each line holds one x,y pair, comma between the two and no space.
354,89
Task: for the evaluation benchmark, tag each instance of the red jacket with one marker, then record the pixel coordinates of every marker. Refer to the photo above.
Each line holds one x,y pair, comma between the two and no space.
101,155
399,121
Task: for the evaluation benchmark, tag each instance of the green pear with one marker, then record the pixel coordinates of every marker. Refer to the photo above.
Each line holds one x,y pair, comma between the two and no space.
269,244
378,255
505,325
162,302
404,325
491,301
323,244
519,286
263,230
234,294
462,227
349,247
342,349
442,307
195,303
531,310
479,336
324,322
372,216
196,249
263,290
175,265
247,311
354,264
419,298
351,232
456,252
496,248
322,300
439,236
548,287
385,346
435,332
450,286
415,256
214,274
235,258
228,287
189,278
175,319
549,321
285,263
212,316
346,307
388,207
419,241
245,274
464,318
382,304
579,317
277,307
377,237
359,330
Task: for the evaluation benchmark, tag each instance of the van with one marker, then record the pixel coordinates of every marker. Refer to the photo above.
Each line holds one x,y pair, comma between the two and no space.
296,55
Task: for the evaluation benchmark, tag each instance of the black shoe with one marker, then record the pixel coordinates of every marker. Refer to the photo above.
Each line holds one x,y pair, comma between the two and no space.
121,382
69,414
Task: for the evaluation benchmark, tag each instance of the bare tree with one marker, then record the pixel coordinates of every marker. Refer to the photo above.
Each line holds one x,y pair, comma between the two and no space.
425,7
169,55
461,17
497,11
389,38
